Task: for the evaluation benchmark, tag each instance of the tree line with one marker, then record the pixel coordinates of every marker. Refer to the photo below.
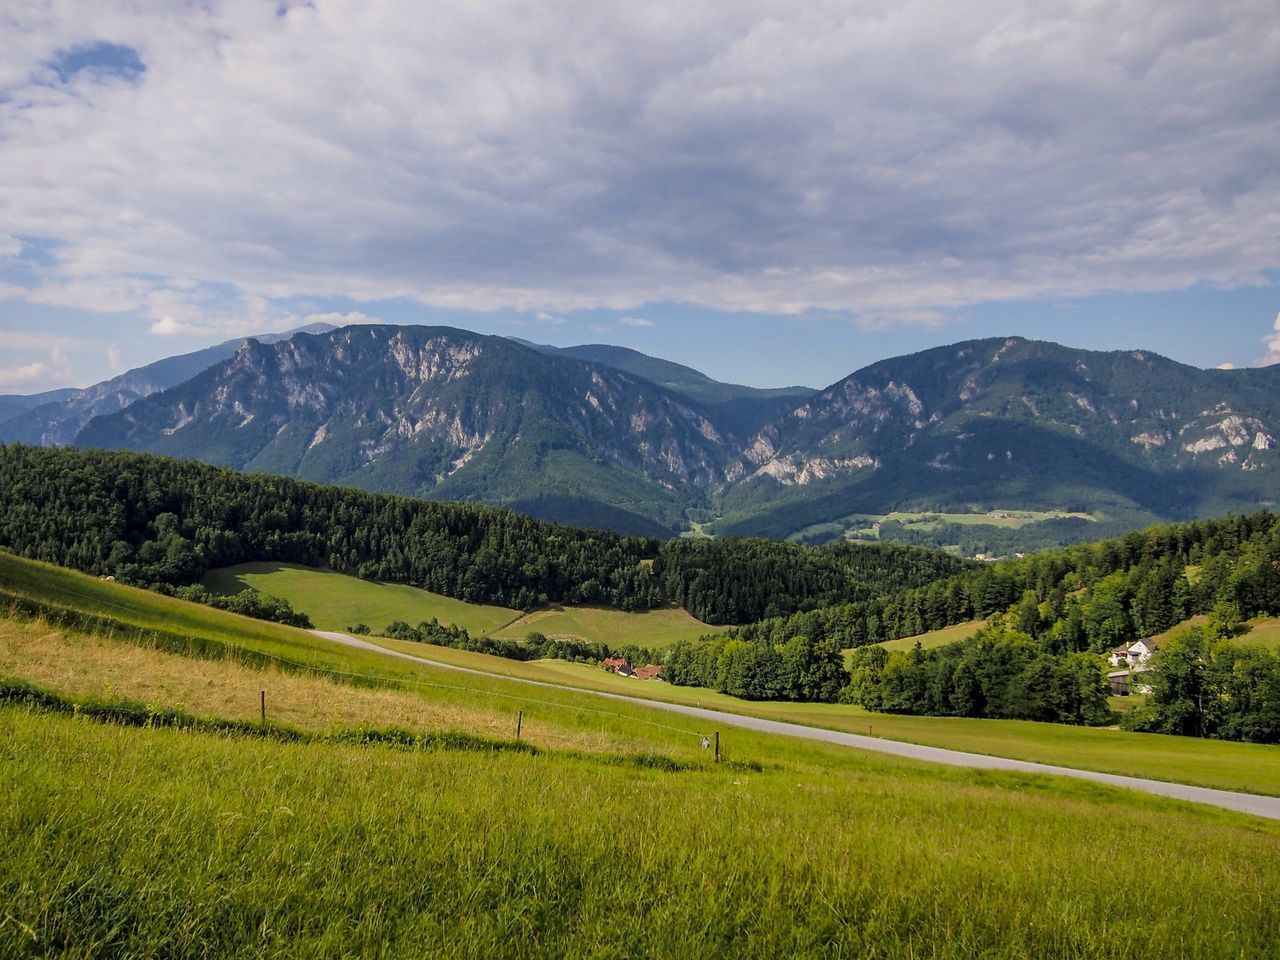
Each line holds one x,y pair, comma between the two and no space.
1085,597
158,522
999,672
1204,686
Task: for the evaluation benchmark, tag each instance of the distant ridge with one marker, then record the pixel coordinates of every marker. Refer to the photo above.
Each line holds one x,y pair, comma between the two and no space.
605,436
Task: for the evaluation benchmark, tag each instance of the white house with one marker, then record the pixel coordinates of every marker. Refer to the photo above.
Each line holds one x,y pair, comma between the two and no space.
1133,654
1133,659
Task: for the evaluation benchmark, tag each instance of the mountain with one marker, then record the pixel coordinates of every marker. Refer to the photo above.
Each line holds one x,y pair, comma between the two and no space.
54,418
1003,422
12,404
606,437
744,408
441,413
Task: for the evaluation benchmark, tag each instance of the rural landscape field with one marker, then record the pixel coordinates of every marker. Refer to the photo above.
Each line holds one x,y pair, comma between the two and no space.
608,481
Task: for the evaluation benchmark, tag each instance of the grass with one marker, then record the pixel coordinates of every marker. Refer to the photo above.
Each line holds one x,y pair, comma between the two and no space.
1262,632
193,844
213,840
937,638
655,629
1232,766
863,525
335,601
1248,767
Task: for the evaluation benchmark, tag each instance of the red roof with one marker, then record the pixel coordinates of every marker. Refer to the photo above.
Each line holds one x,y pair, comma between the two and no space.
650,671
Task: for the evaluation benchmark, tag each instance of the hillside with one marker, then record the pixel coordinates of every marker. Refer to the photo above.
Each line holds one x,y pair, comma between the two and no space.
600,436
161,522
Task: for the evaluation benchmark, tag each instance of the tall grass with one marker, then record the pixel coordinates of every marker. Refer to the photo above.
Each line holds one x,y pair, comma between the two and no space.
145,842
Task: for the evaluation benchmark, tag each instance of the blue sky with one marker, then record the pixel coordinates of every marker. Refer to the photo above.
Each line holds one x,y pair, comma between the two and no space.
772,192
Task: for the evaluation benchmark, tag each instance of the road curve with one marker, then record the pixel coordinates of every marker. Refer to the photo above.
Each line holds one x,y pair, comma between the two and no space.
1227,799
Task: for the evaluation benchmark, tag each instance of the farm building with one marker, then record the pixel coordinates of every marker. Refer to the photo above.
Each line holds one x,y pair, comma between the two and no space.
619,665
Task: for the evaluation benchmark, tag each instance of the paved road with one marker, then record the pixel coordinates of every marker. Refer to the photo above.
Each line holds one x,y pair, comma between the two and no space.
1227,799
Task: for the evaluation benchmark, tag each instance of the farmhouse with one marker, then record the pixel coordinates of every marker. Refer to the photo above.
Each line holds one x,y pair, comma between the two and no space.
650,671
619,665
1133,654
1132,658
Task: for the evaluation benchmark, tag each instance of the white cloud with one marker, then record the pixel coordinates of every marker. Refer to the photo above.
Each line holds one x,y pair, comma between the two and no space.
635,321
24,375
340,319
114,359
9,246
1272,341
167,326
891,161
37,374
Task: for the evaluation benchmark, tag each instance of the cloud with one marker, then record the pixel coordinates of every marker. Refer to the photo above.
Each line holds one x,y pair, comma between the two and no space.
37,374
635,321
1272,342
340,319
167,326
10,246
114,360
24,375
889,162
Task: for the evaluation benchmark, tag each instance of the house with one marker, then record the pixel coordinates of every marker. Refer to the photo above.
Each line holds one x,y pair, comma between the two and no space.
619,665
1133,654
650,671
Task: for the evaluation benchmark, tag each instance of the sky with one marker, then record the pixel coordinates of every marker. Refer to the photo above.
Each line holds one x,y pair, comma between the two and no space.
773,192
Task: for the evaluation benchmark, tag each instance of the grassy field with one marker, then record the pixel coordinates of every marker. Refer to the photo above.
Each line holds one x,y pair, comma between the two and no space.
862,526
192,844
656,629
937,638
1262,632
133,841
1234,766
1253,768
335,602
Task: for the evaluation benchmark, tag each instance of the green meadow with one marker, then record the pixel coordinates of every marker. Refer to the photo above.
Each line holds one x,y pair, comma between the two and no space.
176,625
335,601
194,844
1248,767
936,638
384,810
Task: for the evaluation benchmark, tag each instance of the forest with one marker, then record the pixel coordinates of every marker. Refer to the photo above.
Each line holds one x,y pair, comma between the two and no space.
153,521
1086,597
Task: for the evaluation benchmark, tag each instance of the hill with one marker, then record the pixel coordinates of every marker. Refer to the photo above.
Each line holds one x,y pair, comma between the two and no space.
167,523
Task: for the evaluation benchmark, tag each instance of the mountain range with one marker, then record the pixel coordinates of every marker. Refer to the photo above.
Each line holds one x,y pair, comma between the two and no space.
607,437
56,417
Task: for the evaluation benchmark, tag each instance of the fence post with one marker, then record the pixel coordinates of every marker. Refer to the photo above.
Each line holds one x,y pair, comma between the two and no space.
262,702
717,746
519,722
